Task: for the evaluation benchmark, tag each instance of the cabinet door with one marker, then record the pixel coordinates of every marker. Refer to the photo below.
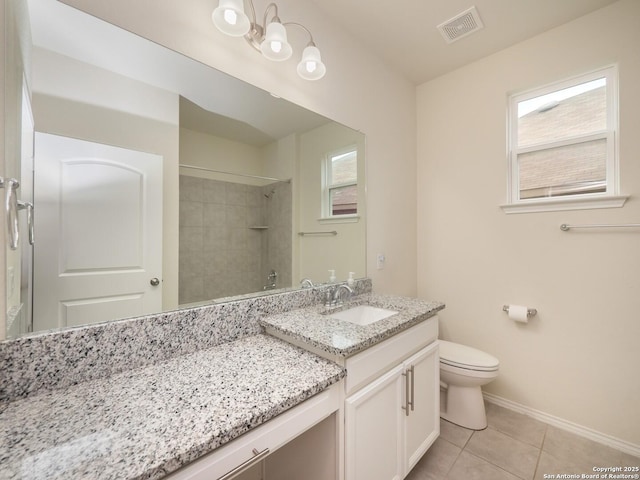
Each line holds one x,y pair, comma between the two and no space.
422,425
373,429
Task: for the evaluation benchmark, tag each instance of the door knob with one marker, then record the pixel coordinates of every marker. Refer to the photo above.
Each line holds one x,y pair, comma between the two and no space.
154,282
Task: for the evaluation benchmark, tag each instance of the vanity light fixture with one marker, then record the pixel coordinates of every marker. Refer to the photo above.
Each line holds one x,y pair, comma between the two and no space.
269,38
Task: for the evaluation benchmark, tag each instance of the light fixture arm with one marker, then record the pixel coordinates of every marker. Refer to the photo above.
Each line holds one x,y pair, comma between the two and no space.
311,42
275,16
253,12
254,16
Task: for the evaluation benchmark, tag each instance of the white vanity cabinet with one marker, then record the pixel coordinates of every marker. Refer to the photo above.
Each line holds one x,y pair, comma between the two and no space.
392,406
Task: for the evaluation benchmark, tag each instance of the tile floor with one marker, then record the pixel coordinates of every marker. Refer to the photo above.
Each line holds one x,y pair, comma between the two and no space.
513,447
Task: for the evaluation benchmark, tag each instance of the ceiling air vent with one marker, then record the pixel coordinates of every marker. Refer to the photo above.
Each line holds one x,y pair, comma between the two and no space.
461,25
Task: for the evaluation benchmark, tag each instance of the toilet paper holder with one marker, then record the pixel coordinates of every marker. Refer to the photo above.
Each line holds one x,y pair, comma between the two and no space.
531,312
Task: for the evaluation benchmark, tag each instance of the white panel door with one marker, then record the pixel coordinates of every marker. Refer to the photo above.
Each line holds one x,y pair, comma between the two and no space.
422,425
98,221
373,429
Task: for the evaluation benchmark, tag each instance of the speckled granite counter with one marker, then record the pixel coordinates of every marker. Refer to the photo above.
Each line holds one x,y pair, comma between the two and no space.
313,326
53,360
150,421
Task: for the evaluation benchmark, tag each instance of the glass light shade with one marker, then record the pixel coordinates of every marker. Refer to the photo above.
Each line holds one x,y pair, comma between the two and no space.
275,46
230,18
311,66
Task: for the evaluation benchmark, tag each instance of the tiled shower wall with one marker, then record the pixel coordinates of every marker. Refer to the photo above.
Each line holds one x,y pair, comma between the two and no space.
222,252
277,253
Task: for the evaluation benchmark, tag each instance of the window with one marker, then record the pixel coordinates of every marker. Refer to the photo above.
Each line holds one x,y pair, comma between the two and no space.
562,145
341,183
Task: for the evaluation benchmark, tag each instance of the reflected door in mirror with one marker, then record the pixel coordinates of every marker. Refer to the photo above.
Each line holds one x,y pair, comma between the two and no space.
99,225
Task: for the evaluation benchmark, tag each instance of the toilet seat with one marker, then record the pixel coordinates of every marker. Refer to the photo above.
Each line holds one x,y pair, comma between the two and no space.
468,358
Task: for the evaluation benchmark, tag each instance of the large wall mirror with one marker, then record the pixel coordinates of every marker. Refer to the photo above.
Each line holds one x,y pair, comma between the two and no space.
158,182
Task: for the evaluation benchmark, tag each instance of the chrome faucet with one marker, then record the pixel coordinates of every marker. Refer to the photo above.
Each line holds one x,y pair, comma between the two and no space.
306,283
334,296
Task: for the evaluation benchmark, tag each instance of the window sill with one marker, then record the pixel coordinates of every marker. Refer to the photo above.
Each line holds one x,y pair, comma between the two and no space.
557,204
341,219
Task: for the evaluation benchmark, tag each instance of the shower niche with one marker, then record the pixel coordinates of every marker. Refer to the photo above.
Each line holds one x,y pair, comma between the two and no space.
235,236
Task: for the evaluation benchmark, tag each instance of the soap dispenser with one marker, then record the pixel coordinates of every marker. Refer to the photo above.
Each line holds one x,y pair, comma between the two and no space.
332,276
351,280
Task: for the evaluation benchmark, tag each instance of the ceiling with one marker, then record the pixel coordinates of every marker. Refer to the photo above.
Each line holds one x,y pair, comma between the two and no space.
404,33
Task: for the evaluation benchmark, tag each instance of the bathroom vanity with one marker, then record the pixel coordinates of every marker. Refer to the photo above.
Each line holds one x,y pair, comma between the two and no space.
221,410
392,390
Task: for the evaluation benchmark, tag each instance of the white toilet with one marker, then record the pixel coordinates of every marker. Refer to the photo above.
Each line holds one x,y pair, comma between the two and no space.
463,370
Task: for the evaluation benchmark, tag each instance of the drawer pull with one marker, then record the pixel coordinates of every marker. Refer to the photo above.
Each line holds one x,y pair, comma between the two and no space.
246,465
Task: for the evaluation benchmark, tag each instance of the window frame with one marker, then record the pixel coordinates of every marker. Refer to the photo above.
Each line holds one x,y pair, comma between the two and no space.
327,211
611,196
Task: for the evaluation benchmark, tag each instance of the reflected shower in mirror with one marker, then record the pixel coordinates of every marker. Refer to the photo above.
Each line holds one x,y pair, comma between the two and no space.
235,236
239,175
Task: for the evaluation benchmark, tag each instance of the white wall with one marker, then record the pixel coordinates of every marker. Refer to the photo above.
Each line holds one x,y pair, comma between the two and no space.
579,359
358,90
280,159
209,151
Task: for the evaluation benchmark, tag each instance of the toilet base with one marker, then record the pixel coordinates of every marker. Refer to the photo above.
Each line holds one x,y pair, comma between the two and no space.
464,406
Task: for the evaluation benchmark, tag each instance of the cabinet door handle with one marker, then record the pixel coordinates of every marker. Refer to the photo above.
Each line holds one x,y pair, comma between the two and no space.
413,374
407,392
245,465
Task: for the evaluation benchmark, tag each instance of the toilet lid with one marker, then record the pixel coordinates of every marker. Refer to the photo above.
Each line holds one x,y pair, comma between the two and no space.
463,356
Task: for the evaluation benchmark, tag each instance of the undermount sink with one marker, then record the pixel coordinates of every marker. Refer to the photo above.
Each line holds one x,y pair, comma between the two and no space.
363,314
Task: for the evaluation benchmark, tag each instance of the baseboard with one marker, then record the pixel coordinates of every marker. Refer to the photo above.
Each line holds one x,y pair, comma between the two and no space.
599,437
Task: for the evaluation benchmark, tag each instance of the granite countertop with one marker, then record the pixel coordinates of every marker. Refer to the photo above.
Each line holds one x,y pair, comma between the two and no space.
150,421
313,325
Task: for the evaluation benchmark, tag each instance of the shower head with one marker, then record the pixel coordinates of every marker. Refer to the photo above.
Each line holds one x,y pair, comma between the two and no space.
270,194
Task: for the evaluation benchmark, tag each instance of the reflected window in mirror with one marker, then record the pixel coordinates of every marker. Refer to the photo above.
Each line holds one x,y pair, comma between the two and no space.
340,191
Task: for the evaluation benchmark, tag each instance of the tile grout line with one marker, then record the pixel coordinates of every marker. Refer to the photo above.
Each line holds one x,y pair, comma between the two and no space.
494,465
497,430
544,437
446,475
